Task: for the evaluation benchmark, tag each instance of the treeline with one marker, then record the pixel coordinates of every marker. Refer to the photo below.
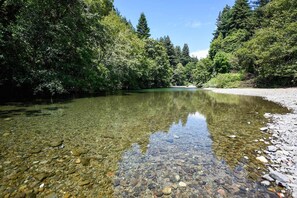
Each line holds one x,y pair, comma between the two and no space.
255,43
74,46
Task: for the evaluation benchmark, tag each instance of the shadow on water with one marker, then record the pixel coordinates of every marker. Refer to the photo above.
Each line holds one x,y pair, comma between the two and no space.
81,142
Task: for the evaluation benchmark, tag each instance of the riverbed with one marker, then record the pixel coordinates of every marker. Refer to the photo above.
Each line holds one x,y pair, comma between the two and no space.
166,142
282,127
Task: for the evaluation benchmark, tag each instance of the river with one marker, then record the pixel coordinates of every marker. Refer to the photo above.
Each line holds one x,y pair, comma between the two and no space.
177,141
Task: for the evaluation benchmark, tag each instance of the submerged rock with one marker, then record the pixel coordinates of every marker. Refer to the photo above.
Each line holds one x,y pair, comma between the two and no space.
222,193
182,184
166,191
56,143
262,159
265,183
268,178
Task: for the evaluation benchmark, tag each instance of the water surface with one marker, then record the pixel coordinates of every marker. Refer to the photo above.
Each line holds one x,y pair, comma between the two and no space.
135,144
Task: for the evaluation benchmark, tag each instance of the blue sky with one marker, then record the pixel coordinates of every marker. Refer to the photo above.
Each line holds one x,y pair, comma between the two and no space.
185,21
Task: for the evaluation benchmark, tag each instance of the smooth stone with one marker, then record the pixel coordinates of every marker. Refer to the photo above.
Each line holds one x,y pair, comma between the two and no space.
56,143
271,148
159,193
222,193
262,159
182,184
6,134
52,195
177,178
78,151
265,183
77,161
279,176
166,191
85,161
83,182
41,176
35,150
174,186
264,129
267,177
151,186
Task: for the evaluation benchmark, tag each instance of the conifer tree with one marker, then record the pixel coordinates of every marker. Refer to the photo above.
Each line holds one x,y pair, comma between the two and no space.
143,30
223,22
170,50
185,55
178,53
241,15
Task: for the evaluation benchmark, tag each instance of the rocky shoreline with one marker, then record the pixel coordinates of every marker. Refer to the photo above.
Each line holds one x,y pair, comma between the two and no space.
282,154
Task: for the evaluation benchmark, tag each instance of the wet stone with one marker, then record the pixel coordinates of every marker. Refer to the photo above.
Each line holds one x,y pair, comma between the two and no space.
78,151
265,183
83,182
41,176
159,193
6,134
85,161
35,150
151,186
271,148
222,193
51,195
268,178
182,184
56,143
262,159
166,191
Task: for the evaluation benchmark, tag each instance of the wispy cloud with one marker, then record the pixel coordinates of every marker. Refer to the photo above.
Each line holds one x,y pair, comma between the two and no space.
200,54
193,24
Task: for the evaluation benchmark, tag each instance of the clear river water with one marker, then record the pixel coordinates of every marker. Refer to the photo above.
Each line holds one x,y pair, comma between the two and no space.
173,142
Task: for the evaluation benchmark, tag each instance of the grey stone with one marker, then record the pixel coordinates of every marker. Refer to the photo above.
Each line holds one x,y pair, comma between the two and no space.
279,176
271,148
265,183
268,178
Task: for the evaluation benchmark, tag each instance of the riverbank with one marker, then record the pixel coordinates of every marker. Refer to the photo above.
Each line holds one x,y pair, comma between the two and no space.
283,128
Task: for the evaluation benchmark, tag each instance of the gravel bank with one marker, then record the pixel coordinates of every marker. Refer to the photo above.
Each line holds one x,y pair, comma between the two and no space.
283,128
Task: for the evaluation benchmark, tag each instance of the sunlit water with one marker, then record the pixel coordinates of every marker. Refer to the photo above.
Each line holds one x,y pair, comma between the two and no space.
134,145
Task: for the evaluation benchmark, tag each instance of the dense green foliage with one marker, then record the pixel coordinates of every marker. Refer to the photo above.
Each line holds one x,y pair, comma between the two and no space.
58,47
260,42
229,80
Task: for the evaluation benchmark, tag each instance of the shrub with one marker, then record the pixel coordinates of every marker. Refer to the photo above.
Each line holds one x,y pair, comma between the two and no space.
229,80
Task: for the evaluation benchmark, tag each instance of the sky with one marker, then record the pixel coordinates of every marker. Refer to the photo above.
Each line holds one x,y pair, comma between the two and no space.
184,21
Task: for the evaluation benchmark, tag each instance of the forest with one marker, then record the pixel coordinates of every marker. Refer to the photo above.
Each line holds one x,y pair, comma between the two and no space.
51,48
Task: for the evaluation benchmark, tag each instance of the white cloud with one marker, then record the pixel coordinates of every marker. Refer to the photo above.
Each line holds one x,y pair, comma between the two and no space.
200,54
194,24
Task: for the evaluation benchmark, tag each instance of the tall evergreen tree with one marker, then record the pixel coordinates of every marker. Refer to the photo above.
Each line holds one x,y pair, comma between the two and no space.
185,55
178,53
143,30
170,50
259,3
223,22
241,15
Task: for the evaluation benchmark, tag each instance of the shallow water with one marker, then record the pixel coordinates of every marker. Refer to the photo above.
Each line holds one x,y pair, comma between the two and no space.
134,145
